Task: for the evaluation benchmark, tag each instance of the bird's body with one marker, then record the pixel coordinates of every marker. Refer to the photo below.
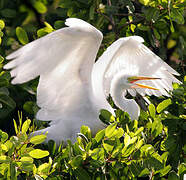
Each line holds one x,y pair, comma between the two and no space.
72,89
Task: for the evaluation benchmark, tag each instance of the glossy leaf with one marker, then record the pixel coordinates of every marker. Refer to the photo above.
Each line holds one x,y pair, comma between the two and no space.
25,126
110,130
2,24
38,139
164,104
99,136
38,153
22,35
152,110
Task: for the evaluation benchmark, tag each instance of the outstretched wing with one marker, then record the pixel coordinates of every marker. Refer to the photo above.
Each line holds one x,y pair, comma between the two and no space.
63,60
132,57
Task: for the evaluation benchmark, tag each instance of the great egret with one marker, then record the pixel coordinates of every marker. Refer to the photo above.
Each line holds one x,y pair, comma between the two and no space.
72,89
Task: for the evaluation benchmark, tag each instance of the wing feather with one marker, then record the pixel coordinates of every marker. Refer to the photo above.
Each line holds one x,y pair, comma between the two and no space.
63,59
131,56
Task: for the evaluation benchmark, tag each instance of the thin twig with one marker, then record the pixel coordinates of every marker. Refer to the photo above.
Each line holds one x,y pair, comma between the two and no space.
108,18
131,22
114,28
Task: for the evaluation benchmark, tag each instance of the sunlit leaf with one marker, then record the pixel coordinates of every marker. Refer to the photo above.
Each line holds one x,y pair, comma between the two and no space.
110,130
38,153
4,159
152,110
26,159
38,139
25,126
165,170
2,24
164,104
40,7
100,135
44,168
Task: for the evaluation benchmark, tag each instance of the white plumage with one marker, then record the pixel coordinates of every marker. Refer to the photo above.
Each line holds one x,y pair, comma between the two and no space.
72,89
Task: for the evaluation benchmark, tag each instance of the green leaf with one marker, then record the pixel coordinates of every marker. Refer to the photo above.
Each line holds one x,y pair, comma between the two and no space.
157,127
2,24
22,35
144,173
1,59
25,126
118,133
106,116
144,2
127,150
5,159
28,107
13,171
127,139
164,104
8,13
15,126
91,12
99,136
156,33
3,136
165,170
97,154
70,12
139,131
3,147
147,149
38,139
110,130
86,131
172,27
108,146
38,153
1,33
164,156
173,176
48,26
182,169
139,143
4,82
44,168
44,31
26,159
6,100
9,145
152,110
77,161
132,27
143,27
82,174
40,7
58,24
177,16
27,167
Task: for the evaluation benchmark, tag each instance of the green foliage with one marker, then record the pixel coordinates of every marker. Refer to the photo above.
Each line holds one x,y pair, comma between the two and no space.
21,35
18,154
151,148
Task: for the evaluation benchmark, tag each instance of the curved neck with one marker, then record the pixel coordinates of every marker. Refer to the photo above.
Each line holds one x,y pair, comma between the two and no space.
118,92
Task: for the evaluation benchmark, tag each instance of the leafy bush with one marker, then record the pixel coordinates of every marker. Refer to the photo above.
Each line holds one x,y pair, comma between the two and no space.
18,154
151,148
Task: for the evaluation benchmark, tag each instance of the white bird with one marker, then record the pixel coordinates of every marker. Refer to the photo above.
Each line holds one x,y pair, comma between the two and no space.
73,88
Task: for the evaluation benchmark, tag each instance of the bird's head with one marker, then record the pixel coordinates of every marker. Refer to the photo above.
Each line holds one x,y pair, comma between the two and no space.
131,81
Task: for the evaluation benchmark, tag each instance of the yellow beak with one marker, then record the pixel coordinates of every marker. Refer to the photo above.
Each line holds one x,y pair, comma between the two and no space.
138,78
